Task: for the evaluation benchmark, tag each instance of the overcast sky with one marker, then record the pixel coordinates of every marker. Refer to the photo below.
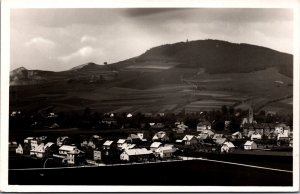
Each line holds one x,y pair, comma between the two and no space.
59,39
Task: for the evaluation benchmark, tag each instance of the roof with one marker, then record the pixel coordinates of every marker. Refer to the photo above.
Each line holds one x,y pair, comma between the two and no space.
256,135
67,148
121,141
133,136
140,151
155,145
165,149
28,138
49,144
182,126
160,134
220,140
229,144
108,143
249,143
236,133
202,136
188,137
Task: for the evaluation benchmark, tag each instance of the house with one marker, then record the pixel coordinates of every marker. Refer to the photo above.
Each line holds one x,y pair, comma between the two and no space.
180,128
165,152
284,134
220,141
107,144
127,146
160,136
259,128
202,136
65,149
189,140
227,147
23,150
255,136
120,143
133,138
139,154
97,155
28,140
40,151
75,156
209,132
155,145
237,135
179,141
250,145
217,135
62,140
279,128
204,125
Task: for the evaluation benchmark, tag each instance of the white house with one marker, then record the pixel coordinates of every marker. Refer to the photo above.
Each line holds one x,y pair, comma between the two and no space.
189,140
250,145
284,134
165,152
140,153
65,149
155,145
19,149
255,136
227,147
97,155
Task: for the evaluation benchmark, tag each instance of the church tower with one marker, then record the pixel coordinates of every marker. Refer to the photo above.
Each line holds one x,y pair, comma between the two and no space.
250,116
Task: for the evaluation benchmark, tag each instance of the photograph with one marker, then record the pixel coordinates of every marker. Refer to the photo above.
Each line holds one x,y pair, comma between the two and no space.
150,96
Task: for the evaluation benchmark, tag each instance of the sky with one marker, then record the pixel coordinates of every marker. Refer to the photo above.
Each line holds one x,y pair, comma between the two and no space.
59,39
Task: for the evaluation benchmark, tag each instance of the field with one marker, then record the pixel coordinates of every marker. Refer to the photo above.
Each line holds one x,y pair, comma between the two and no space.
189,173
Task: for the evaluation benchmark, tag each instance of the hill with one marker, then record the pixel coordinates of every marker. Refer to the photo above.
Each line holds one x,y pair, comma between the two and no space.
197,75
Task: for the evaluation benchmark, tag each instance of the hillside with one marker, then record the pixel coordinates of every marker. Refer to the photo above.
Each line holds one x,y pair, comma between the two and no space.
197,75
222,57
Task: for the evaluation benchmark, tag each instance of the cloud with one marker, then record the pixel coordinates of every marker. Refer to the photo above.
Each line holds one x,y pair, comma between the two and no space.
81,54
41,44
87,38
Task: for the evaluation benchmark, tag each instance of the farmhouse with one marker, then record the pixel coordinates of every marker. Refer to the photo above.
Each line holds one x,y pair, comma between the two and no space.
136,154
189,140
250,145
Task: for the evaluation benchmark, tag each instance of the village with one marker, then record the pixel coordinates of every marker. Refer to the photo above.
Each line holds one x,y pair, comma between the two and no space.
164,144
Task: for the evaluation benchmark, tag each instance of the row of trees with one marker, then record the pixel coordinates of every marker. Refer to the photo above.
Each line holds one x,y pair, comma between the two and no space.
88,119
